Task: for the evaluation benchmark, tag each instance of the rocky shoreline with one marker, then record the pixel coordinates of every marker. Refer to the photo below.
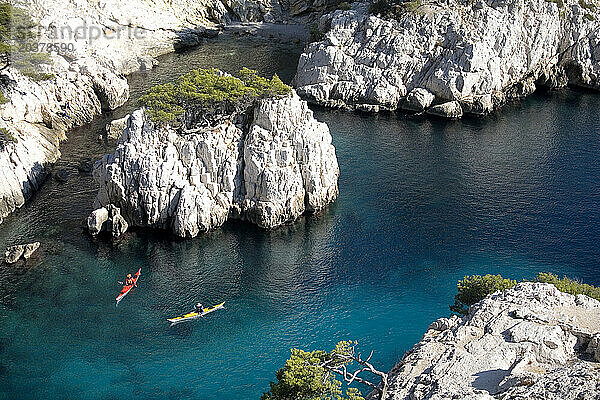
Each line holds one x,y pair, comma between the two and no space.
528,342
445,60
459,57
98,44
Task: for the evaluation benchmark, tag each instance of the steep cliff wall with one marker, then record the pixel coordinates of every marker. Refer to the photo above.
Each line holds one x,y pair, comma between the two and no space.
93,44
478,53
39,114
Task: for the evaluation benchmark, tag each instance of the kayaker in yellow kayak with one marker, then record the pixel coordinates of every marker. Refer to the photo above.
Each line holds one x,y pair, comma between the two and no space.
199,308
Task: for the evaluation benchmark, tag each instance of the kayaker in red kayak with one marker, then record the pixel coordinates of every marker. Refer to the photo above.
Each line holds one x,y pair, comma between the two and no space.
130,281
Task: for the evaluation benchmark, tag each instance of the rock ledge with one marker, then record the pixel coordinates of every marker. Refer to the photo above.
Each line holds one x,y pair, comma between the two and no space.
529,342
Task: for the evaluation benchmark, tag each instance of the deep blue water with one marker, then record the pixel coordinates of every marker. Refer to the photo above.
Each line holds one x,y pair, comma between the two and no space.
422,203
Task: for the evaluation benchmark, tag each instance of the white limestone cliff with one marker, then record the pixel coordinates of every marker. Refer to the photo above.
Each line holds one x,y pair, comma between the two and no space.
479,53
97,43
39,114
268,172
529,342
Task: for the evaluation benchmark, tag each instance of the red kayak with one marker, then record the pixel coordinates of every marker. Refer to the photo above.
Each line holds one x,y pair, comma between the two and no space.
127,288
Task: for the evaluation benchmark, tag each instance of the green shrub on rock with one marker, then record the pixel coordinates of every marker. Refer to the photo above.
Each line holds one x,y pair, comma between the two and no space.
207,88
6,137
3,98
344,6
380,7
395,9
569,285
473,289
304,377
19,47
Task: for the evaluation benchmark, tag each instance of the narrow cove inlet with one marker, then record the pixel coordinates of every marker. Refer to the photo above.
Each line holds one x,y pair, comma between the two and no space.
388,211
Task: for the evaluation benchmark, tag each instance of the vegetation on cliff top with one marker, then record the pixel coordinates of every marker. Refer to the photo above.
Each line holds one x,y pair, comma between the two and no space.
6,137
473,289
206,88
19,43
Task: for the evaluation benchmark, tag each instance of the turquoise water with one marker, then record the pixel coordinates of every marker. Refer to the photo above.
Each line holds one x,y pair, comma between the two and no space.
422,203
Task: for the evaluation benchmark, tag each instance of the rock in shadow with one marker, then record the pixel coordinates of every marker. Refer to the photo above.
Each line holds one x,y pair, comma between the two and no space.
188,38
61,175
489,380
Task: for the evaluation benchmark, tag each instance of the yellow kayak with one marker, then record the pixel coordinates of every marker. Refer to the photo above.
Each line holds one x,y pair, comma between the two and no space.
194,315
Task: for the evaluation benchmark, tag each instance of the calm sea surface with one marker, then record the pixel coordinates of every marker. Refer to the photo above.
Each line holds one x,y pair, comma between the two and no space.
422,203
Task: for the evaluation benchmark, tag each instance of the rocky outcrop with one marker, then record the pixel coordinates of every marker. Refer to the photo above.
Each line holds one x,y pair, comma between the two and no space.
529,342
95,44
20,252
39,114
477,53
107,219
418,100
116,127
450,110
268,165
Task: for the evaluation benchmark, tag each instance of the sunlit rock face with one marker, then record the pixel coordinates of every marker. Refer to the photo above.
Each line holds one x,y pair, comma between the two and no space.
37,116
477,53
529,342
268,166
92,45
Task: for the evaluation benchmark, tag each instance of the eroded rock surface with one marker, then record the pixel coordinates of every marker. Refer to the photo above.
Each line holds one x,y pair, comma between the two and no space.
267,166
107,219
529,342
20,252
480,54
37,117
96,43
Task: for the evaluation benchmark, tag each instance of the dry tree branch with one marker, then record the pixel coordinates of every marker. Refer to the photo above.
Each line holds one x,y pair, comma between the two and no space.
338,362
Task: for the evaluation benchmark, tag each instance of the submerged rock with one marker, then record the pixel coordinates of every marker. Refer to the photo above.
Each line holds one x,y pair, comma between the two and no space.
529,342
480,55
20,252
267,165
61,175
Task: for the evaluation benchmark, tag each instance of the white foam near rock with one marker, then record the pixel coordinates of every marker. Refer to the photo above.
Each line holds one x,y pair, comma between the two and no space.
478,54
270,173
528,342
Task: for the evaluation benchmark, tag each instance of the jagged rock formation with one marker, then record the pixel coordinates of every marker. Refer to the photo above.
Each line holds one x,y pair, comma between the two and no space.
38,116
116,127
268,166
478,53
529,342
20,252
107,219
97,42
